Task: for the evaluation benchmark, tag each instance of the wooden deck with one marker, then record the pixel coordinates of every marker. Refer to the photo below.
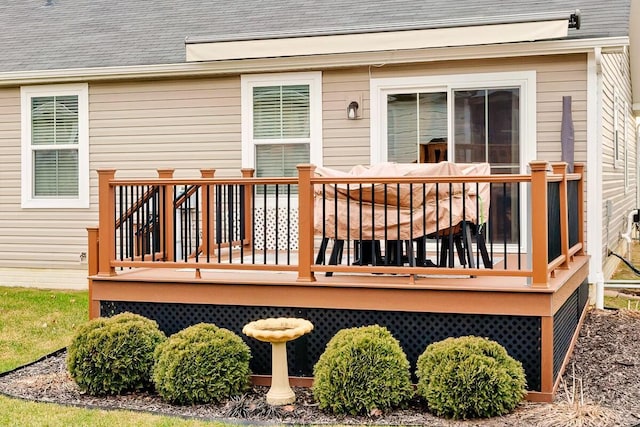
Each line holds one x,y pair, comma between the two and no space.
533,307
498,301
433,293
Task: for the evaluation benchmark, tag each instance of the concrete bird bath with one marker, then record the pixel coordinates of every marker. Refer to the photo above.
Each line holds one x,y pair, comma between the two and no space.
278,331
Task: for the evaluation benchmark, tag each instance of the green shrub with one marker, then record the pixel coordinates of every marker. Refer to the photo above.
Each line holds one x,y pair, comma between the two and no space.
114,355
362,369
469,377
201,364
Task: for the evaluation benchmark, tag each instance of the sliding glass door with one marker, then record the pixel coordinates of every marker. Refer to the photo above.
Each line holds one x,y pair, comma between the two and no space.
462,125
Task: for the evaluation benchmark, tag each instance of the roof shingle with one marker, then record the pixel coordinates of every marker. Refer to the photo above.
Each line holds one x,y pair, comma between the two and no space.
101,33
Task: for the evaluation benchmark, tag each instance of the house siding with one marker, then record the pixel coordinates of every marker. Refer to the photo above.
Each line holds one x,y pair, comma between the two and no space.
27,236
137,127
188,124
616,78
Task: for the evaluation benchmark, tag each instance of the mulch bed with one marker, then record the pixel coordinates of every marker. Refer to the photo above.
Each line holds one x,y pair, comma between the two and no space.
606,361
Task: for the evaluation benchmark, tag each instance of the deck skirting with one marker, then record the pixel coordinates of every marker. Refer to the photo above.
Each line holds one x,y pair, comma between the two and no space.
537,327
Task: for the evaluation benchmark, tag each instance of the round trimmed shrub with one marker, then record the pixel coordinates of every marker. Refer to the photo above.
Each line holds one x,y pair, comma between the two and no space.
201,364
114,355
362,369
469,377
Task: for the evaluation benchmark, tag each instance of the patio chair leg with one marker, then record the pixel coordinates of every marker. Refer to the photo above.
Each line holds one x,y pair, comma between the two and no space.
409,249
367,252
336,255
376,255
421,251
482,247
466,235
450,245
444,250
322,251
457,239
447,251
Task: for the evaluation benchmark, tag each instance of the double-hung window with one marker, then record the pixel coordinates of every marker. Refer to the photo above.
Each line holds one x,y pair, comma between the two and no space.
281,122
55,165
281,128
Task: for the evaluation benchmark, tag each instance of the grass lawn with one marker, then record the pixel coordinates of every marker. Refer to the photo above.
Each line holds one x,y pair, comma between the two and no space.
36,322
21,413
621,302
625,273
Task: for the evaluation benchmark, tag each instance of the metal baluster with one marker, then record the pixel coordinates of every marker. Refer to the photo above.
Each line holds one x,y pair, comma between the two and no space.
277,223
230,221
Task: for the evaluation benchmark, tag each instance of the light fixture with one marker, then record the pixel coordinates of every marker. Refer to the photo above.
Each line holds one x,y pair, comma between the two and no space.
352,110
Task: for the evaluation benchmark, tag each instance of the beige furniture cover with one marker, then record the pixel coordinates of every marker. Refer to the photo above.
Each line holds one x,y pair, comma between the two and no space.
411,211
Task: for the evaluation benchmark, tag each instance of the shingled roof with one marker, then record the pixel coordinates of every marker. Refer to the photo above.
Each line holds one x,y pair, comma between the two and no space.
61,34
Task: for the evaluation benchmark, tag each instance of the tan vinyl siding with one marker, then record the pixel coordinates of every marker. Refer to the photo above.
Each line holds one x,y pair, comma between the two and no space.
188,124
616,78
135,127
33,238
345,142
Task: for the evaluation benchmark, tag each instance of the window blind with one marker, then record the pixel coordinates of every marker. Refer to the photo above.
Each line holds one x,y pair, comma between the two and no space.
54,145
280,159
281,113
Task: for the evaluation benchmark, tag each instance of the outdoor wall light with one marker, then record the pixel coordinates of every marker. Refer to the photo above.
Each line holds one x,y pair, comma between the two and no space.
352,110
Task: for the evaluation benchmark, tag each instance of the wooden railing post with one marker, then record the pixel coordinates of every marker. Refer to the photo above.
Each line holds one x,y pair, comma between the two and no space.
560,168
92,268
539,224
207,219
579,169
106,222
248,205
305,226
167,210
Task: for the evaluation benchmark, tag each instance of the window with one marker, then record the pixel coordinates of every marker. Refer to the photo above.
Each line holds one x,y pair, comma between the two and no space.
619,136
625,133
616,128
55,164
462,118
281,122
415,119
486,127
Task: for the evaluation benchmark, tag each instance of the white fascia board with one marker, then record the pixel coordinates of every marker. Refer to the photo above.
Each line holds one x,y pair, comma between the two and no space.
377,41
298,63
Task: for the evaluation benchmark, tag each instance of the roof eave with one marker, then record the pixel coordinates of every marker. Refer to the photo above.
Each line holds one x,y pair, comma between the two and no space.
295,63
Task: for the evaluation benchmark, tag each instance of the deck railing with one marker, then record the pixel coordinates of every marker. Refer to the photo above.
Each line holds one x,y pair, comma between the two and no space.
307,224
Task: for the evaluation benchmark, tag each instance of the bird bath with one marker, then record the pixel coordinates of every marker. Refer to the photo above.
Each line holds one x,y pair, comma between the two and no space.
278,331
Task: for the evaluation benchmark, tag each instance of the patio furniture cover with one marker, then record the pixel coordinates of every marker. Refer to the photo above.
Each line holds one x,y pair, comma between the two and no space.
392,211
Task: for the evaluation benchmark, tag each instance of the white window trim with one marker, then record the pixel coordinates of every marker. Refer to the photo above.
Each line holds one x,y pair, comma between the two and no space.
617,144
249,81
627,181
525,80
28,92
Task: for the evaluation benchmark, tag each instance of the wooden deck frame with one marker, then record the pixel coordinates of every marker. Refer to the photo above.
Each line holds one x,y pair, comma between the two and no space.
539,291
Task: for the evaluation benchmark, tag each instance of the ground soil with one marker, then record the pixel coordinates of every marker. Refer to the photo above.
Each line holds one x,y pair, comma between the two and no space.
606,390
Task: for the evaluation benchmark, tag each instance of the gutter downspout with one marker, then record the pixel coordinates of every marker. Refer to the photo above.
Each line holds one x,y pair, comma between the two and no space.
595,246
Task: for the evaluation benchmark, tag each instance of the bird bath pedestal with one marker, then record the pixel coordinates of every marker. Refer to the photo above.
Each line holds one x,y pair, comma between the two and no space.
278,332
